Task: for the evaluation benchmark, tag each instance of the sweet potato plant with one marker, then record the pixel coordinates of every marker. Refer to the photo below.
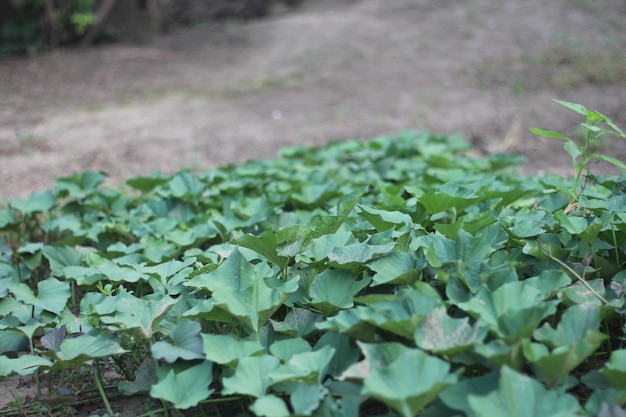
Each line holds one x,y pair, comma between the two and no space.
395,275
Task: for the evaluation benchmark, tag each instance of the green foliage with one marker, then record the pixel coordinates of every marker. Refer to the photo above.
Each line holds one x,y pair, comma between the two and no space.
396,271
34,26
595,128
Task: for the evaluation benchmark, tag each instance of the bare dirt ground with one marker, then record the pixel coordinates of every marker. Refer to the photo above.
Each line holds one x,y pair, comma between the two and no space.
329,70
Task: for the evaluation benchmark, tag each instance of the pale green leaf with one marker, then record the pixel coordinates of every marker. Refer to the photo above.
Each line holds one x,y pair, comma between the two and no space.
270,406
23,365
444,335
186,343
185,388
228,349
251,376
521,396
410,382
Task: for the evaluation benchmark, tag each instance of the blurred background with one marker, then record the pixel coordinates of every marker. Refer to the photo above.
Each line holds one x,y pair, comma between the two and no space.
130,87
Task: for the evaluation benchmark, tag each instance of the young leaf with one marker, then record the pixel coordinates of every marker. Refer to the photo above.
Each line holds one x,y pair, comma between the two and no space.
580,109
548,133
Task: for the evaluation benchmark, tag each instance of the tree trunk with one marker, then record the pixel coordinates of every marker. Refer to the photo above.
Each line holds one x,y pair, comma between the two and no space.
104,13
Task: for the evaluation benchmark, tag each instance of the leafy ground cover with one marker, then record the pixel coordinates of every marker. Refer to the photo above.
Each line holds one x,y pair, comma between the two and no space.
396,275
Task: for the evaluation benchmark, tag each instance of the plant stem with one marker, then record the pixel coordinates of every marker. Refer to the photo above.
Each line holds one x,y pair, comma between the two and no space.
575,274
97,376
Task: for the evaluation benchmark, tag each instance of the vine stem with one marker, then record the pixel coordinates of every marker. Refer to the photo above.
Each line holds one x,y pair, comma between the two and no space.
97,376
573,273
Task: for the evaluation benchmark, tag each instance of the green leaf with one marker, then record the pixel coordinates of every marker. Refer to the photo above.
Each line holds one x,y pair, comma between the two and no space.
580,109
52,294
186,343
397,268
357,254
609,159
457,396
333,290
384,220
146,184
574,225
185,185
305,367
129,312
573,327
254,305
556,364
499,353
37,202
228,349
286,348
548,133
299,322
265,245
7,218
23,365
572,149
410,382
235,272
345,354
76,351
530,224
349,322
448,196
306,398
145,378
117,273
270,406
80,185
374,354
60,258
512,311
444,335
615,369
331,224
521,396
185,388
251,376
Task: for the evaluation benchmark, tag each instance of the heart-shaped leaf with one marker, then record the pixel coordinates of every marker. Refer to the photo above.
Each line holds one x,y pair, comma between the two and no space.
185,388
